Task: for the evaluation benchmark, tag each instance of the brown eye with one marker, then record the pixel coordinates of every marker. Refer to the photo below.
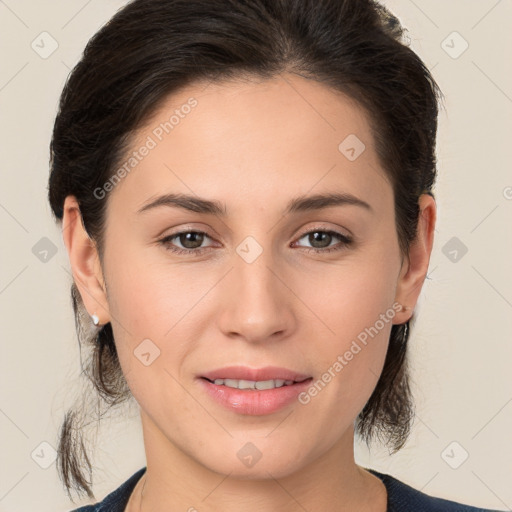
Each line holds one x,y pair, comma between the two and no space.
320,240
190,240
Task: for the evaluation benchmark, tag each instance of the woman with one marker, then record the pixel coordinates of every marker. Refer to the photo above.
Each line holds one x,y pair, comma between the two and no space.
246,197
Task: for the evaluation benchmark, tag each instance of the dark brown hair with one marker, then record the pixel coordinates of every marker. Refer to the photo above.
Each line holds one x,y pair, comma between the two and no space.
151,49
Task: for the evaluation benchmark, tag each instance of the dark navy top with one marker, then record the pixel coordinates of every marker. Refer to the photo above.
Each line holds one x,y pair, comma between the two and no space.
401,498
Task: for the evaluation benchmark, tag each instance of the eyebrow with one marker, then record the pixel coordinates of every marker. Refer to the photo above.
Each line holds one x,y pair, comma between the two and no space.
297,205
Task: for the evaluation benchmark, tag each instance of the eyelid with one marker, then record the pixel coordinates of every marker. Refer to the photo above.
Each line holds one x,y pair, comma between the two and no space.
346,240
187,229
322,227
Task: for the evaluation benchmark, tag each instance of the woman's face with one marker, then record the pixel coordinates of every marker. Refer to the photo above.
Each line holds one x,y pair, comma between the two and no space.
251,292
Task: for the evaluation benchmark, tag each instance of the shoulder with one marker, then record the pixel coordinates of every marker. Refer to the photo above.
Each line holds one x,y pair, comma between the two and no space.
404,498
117,500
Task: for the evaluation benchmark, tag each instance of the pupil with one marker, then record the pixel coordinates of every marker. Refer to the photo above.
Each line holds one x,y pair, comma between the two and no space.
320,234
195,243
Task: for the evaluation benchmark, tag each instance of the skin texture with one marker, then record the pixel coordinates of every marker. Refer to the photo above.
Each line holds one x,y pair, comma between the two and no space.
253,145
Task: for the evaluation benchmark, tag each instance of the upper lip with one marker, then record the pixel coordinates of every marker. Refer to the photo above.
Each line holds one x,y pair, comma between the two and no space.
254,374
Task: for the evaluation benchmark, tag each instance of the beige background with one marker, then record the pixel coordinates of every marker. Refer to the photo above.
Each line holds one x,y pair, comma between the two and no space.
461,344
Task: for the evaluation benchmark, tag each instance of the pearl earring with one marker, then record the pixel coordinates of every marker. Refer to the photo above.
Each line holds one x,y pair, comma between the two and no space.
95,319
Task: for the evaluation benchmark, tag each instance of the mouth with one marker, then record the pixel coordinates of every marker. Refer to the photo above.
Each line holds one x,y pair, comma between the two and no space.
257,375
256,392
259,385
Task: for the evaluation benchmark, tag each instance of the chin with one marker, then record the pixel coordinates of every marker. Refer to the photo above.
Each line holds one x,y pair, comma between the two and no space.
256,459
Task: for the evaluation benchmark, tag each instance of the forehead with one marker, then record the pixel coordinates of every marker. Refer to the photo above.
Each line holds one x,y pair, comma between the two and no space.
253,138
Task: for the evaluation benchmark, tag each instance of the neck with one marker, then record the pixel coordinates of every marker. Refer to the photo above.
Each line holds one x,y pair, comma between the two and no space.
333,482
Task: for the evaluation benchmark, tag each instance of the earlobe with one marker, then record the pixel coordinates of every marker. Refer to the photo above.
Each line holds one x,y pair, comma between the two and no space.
84,261
413,275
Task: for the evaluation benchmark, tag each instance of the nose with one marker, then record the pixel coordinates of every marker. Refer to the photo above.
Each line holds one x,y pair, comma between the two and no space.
258,304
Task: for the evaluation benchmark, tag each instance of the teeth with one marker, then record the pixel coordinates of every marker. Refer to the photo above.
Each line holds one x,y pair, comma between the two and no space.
251,384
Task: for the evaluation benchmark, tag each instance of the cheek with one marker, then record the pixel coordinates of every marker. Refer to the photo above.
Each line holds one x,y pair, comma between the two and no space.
154,323
137,319
353,313
350,297
145,300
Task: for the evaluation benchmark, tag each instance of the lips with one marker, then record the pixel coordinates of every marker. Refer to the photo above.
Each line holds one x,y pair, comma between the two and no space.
255,374
253,391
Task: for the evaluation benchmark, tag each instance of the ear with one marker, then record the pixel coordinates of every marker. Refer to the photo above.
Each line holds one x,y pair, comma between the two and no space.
415,267
85,262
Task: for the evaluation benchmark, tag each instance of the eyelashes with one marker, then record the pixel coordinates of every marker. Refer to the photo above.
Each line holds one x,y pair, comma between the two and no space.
345,241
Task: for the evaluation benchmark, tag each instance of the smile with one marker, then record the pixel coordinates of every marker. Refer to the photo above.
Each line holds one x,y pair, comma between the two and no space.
252,384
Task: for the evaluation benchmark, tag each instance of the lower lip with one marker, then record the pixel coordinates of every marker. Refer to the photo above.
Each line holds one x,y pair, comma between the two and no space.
254,402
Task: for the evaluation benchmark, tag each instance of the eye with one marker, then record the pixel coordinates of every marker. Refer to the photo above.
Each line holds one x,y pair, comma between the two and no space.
320,239
191,240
